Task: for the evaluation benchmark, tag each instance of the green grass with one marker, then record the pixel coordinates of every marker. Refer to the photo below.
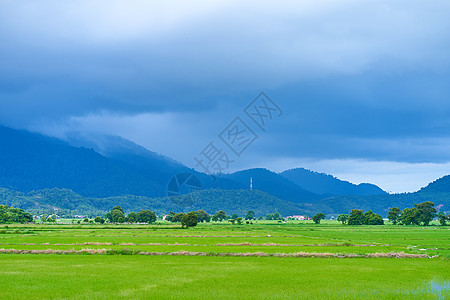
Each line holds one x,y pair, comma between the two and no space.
205,237
192,277
96,277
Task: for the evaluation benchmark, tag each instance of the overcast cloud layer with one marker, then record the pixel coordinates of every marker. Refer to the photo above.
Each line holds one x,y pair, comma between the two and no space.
363,84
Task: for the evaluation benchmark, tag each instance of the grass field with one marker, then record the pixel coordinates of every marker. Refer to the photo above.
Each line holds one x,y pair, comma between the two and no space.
225,261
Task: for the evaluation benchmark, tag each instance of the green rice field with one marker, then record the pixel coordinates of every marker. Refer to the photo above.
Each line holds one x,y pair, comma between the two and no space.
265,260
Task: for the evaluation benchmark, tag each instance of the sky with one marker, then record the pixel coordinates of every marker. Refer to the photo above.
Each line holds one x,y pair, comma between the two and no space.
360,87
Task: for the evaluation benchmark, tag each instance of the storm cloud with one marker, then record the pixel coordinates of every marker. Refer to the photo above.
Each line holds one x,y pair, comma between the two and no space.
357,81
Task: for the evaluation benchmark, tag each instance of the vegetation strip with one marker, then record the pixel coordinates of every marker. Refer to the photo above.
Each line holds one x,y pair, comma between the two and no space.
219,244
299,245
192,253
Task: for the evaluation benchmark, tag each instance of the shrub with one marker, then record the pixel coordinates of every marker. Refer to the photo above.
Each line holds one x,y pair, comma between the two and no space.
189,220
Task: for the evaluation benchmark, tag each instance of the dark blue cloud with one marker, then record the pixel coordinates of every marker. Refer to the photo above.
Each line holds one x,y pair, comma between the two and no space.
355,81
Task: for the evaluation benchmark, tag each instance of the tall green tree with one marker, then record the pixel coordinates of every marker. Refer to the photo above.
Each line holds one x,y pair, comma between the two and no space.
343,218
146,216
114,215
443,218
277,216
422,213
132,217
409,216
250,215
318,217
356,217
189,220
394,215
425,212
219,216
170,216
202,216
118,208
178,217
14,215
371,218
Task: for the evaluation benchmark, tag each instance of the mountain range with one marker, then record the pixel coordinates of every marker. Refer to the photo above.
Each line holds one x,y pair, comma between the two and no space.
325,184
96,172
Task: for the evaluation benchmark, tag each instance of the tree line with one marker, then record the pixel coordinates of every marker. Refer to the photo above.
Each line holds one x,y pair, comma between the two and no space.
190,219
117,215
421,214
203,216
356,217
10,214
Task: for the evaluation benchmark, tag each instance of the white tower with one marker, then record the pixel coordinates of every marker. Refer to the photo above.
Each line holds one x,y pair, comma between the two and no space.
251,183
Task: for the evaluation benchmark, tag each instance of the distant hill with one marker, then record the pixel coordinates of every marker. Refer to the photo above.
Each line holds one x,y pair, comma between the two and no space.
30,161
146,161
325,184
211,200
240,201
274,184
437,192
98,172
441,185
126,151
